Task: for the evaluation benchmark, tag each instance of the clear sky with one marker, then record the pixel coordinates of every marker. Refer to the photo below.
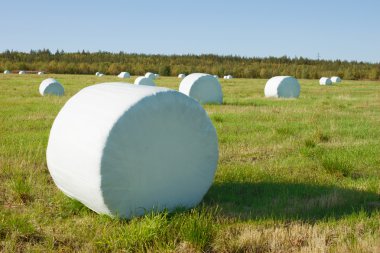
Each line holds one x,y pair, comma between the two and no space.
336,29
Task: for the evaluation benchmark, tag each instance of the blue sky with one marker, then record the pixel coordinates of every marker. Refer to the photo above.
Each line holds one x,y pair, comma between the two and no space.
336,29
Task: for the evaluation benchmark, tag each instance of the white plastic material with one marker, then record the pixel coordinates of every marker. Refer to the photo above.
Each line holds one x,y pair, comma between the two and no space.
124,75
126,150
142,80
336,79
325,81
100,75
51,86
97,73
203,87
216,76
40,73
282,87
181,76
227,77
156,76
7,72
21,72
150,75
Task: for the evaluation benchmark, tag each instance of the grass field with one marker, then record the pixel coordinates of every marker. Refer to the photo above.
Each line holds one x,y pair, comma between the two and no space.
298,175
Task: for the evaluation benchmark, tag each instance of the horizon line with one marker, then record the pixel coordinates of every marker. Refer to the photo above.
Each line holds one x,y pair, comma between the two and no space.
186,54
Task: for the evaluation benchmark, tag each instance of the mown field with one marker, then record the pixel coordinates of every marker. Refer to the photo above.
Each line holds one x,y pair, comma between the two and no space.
299,175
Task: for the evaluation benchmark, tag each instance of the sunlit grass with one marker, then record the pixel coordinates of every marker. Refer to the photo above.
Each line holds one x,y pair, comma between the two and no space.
293,175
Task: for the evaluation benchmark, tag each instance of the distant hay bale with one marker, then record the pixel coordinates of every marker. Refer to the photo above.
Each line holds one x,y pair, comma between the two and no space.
142,80
282,87
202,87
325,81
181,76
125,150
228,77
150,75
21,72
156,76
336,79
97,73
6,72
216,76
51,86
124,75
40,73
100,75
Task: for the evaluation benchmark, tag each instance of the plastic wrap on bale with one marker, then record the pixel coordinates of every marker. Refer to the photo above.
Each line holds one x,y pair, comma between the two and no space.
282,87
142,80
124,75
204,88
51,86
150,75
336,79
125,150
325,81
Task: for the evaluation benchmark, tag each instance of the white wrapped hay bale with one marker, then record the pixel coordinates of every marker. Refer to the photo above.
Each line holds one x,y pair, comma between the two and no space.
141,151
282,87
51,86
124,75
6,72
21,72
336,79
156,76
150,75
216,76
100,75
142,80
325,81
203,87
40,73
181,76
97,73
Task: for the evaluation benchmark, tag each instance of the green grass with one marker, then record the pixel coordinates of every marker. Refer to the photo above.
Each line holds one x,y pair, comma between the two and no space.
293,175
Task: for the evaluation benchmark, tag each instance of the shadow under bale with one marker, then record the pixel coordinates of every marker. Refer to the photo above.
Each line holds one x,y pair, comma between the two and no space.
289,201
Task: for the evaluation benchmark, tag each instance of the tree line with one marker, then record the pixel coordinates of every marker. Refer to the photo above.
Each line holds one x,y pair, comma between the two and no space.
84,62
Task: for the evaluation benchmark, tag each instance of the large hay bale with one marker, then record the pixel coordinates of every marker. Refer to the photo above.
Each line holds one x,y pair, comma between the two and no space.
126,150
325,81
282,87
51,86
336,79
142,80
150,75
124,75
6,72
21,72
181,76
203,87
